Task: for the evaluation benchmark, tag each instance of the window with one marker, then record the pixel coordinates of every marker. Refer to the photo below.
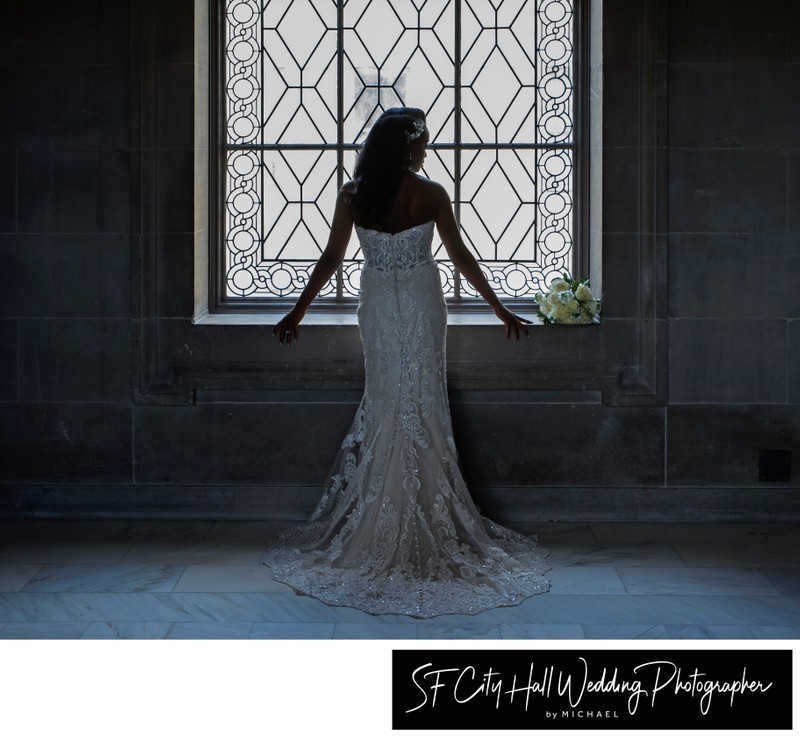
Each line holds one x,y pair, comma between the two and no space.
300,83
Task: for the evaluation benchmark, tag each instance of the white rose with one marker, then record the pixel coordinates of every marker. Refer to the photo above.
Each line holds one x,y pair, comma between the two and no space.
584,293
590,307
563,313
558,285
545,308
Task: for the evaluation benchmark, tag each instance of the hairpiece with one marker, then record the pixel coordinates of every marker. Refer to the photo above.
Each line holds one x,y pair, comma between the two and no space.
419,129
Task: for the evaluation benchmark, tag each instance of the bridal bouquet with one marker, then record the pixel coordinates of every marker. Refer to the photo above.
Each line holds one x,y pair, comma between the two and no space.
569,301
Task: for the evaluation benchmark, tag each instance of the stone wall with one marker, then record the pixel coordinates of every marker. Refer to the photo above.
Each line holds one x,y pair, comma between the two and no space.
734,260
114,403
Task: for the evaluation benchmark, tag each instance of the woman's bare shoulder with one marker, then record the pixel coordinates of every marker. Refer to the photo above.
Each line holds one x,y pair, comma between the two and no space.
430,188
349,187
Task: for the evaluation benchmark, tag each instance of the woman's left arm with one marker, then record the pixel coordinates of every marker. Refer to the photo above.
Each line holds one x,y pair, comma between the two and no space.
466,264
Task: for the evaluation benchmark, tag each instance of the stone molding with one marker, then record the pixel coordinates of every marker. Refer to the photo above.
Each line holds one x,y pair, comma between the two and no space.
506,504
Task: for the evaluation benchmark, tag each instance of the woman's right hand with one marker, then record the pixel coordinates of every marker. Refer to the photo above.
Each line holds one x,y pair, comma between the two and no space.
513,323
288,328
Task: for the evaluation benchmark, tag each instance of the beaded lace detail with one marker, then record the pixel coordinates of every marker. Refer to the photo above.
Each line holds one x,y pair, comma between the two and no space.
396,530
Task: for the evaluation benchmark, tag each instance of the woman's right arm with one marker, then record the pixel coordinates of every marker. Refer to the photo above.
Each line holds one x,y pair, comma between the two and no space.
466,264
288,328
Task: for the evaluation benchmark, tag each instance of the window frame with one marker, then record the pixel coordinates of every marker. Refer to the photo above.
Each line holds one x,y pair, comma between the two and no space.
180,349
218,303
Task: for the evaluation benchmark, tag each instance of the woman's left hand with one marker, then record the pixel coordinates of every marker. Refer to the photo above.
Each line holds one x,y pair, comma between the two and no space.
513,323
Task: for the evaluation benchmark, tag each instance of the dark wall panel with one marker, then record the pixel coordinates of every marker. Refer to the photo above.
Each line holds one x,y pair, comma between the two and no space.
66,276
560,444
279,444
737,360
727,190
75,360
61,443
719,445
734,275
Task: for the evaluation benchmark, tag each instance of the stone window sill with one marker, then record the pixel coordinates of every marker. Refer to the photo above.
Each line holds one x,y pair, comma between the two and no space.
329,318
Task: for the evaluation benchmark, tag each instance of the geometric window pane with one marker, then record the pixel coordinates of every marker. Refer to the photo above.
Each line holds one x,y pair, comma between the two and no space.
303,82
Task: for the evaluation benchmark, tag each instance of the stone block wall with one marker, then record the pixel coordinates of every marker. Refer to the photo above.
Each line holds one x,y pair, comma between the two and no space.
734,260
659,414
65,282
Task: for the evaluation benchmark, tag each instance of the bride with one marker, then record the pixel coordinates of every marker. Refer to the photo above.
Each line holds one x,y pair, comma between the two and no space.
396,530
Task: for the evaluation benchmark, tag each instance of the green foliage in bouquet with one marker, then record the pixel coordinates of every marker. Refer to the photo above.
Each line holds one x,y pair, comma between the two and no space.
569,302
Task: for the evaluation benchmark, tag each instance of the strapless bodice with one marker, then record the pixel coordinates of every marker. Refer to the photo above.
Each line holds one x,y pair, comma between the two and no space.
397,251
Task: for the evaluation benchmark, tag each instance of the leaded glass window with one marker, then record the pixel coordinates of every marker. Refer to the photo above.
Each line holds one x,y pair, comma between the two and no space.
303,80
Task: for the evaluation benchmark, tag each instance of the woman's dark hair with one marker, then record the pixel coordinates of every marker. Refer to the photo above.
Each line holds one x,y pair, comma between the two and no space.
382,162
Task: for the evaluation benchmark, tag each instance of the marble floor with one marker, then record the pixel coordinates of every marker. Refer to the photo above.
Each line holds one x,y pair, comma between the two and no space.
202,580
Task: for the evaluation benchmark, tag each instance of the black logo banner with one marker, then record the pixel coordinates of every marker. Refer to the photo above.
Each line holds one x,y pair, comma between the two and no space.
592,689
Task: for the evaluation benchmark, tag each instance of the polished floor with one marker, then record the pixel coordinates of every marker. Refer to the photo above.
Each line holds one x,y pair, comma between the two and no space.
202,580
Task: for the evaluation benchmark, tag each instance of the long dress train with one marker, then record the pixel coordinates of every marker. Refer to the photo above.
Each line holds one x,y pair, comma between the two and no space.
396,530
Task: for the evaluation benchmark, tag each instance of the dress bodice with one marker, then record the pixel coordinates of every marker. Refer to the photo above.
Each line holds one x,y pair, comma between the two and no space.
392,251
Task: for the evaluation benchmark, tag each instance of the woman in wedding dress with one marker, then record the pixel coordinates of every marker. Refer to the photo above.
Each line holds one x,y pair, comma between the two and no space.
396,530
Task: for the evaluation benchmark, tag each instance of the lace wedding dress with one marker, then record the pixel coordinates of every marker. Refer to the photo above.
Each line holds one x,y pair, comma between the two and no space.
396,530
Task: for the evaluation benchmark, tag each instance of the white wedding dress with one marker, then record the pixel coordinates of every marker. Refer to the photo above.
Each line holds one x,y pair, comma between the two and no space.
396,530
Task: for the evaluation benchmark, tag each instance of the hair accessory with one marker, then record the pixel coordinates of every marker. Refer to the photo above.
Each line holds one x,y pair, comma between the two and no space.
419,129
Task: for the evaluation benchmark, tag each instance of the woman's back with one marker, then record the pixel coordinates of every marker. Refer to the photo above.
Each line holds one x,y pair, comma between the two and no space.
414,204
